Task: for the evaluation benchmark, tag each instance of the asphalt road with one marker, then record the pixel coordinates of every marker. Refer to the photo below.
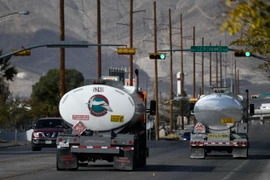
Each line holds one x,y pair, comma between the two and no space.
168,160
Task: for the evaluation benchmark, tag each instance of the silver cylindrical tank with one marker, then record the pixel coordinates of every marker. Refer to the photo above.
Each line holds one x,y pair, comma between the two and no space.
219,110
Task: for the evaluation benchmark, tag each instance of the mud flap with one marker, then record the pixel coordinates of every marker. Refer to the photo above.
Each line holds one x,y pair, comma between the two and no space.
124,162
240,153
66,160
197,153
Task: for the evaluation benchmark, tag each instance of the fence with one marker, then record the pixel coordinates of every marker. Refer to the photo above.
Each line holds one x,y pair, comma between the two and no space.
15,135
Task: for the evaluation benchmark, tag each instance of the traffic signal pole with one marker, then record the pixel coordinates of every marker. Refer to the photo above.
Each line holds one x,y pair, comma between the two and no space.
62,50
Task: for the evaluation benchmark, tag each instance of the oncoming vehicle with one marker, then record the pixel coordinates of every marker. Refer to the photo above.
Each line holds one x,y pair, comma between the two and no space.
186,135
46,131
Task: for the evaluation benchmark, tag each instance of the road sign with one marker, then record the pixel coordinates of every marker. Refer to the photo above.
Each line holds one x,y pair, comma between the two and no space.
22,53
209,48
126,51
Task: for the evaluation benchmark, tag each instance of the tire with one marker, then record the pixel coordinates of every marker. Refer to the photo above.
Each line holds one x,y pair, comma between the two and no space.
34,148
57,167
83,164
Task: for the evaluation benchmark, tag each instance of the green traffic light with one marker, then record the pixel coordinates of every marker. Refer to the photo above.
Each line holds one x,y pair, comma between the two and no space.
162,56
247,54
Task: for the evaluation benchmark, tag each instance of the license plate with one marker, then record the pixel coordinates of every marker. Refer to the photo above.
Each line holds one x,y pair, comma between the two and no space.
117,118
218,135
227,120
48,142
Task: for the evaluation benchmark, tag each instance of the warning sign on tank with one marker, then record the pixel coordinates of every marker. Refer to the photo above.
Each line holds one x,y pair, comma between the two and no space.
79,127
227,120
117,118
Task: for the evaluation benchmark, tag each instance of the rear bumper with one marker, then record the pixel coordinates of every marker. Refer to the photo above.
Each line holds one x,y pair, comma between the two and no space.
242,143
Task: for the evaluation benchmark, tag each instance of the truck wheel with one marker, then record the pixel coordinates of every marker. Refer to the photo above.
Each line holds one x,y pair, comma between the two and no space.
36,148
247,154
82,164
74,169
143,162
57,167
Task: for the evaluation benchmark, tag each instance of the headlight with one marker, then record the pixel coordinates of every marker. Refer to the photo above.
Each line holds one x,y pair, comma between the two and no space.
37,134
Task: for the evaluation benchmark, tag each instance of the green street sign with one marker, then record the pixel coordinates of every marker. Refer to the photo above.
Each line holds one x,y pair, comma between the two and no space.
266,95
209,48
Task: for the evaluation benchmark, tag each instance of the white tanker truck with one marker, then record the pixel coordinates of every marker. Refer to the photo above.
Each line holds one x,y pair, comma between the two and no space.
108,123
222,124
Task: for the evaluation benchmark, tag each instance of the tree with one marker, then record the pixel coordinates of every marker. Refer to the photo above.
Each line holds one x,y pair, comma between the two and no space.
252,20
46,92
4,90
13,114
6,69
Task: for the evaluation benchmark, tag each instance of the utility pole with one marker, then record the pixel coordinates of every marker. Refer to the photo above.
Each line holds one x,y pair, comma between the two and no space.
181,66
99,68
181,58
210,66
238,82
156,74
194,66
235,78
216,69
171,73
220,66
62,50
202,88
131,43
232,90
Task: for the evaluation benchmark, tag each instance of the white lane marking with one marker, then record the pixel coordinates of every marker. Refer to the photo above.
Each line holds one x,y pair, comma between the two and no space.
235,170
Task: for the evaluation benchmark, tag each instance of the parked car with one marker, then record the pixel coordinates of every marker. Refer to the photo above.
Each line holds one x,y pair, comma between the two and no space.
186,135
45,132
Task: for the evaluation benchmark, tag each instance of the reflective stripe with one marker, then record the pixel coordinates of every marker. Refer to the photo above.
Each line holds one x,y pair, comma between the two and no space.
236,144
104,147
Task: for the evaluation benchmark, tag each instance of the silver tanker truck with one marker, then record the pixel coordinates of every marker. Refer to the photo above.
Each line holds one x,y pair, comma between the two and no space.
108,122
222,124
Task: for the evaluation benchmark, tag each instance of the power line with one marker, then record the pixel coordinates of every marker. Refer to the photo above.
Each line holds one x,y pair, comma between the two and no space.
108,7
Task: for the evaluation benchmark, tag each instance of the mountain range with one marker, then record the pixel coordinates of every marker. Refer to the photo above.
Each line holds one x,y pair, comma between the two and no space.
41,26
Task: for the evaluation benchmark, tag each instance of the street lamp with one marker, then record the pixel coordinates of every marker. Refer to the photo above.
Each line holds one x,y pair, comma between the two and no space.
25,12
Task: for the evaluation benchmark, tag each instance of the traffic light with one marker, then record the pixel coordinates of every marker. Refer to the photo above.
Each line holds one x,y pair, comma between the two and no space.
242,53
22,53
157,56
126,51
255,96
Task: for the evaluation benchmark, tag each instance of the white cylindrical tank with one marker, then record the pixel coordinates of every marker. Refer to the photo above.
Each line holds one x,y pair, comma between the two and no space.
219,110
101,107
